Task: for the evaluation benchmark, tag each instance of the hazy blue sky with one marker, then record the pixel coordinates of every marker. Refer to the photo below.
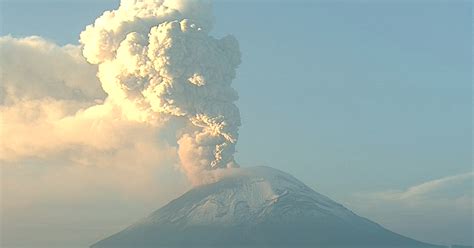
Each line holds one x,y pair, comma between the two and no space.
354,98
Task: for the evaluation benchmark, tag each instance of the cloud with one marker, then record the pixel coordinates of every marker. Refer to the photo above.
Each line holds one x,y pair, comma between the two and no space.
425,190
108,125
65,148
153,65
157,62
439,210
50,97
34,68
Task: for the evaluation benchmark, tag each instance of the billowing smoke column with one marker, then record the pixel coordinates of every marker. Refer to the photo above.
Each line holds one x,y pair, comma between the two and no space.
157,62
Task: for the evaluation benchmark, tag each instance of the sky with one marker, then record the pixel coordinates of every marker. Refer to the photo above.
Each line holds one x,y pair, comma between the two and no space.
366,102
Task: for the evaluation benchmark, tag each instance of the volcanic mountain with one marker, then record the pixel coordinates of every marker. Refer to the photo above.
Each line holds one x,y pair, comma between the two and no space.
255,207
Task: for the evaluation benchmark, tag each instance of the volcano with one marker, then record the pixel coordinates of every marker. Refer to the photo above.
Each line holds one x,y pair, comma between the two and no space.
255,207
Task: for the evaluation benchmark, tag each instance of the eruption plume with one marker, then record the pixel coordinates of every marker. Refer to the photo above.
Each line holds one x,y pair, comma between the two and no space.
158,63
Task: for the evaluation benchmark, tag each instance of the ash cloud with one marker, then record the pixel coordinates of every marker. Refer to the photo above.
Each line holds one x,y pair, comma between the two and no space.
100,127
158,71
157,61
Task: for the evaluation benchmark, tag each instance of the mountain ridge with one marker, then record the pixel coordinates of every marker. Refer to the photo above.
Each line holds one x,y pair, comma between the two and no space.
256,206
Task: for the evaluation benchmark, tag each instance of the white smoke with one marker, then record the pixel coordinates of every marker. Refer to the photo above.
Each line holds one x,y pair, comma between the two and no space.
98,127
34,68
160,70
157,62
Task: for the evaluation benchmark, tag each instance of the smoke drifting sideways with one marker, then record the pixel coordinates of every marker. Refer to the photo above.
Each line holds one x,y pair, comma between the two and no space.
157,61
159,68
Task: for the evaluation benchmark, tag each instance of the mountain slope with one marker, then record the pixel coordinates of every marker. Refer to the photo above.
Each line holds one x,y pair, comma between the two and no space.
257,206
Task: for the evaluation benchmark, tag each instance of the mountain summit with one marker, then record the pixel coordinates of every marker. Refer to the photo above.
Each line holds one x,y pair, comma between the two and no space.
255,207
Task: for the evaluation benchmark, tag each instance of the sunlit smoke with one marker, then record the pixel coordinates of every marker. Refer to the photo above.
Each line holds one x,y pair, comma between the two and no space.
157,61
159,67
